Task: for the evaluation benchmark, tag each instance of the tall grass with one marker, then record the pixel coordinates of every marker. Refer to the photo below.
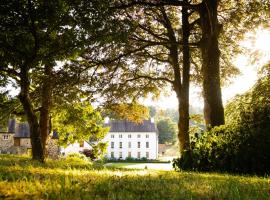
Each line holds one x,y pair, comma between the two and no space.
21,178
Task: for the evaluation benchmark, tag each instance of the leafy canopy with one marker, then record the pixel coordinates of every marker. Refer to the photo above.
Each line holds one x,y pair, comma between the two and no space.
78,122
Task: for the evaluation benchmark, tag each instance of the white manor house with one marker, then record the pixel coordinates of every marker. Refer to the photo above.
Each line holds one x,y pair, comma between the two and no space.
128,139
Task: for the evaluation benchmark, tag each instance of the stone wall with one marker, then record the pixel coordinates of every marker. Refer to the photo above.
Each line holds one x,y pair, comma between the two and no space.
25,142
6,144
53,148
18,150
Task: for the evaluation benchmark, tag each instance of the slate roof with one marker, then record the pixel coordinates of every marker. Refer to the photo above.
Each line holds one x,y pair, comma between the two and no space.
11,125
127,126
22,130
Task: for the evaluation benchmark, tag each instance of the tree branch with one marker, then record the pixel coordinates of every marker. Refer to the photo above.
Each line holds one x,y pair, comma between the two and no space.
154,3
149,78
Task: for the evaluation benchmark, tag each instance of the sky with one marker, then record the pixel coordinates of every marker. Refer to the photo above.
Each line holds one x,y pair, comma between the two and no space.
258,41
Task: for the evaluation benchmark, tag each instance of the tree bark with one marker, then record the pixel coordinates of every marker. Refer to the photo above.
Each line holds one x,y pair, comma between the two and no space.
37,150
181,88
184,94
45,106
213,107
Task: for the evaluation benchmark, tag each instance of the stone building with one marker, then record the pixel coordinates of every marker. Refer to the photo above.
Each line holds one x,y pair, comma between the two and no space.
16,140
7,137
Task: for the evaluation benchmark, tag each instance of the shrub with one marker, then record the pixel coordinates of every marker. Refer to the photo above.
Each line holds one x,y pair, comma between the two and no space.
242,145
89,153
76,156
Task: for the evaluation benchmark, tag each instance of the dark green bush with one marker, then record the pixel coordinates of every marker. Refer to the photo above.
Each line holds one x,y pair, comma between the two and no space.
243,144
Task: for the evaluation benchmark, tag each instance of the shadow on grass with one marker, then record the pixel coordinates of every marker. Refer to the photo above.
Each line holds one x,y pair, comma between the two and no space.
20,180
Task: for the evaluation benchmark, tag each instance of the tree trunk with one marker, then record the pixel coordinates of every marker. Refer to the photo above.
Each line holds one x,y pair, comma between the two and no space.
37,150
213,108
182,90
45,106
183,123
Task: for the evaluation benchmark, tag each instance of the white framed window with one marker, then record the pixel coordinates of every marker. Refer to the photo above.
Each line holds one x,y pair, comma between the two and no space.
139,144
120,145
129,144
112,145
147,144
112,135
120,136
139,155
147,136
147,154
120,155
138,136
112,154
129,135
5,137
129,154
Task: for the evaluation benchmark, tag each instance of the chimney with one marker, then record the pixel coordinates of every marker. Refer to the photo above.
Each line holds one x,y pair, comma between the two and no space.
152,120
107,120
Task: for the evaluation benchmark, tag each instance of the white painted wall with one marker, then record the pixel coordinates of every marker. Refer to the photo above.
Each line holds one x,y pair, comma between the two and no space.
153,144
74,148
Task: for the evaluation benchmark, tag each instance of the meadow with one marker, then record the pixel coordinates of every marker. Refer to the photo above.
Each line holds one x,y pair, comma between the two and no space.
75,178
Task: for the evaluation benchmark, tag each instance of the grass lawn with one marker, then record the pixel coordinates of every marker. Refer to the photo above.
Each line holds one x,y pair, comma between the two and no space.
20,178
155,166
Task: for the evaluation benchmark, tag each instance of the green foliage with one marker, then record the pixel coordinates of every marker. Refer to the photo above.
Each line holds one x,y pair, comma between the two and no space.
242,145
99,150
167,131
152,111
76,157
134,112
79,122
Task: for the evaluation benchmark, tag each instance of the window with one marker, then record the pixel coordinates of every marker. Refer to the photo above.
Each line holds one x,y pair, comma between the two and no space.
120,155
147,144
120,136
112,135
112,154
5,137
120,145
139,145
147,136
138,136
129,144
129,154
139,155
147,154
129,135
112,145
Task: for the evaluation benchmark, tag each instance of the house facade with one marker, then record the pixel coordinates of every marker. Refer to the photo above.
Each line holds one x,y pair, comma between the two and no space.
127,139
